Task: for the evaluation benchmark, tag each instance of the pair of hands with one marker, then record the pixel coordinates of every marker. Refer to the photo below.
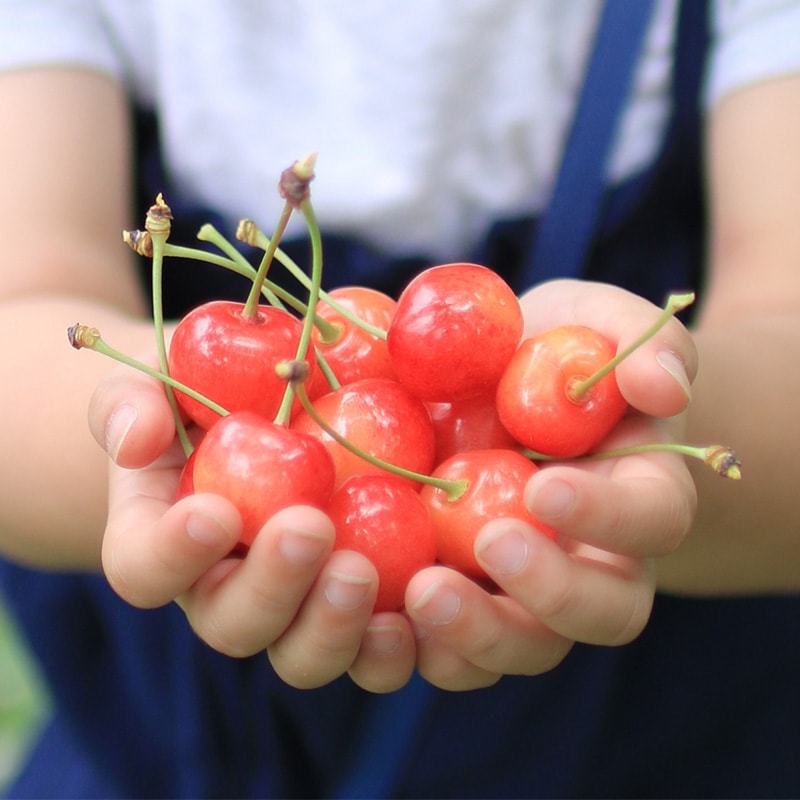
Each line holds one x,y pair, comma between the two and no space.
310,608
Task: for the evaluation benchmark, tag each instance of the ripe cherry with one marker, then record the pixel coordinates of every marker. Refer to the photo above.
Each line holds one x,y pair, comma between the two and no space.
231,359
455,328
262,467
378,416
471,424
383,518
495,484
355,353
540,400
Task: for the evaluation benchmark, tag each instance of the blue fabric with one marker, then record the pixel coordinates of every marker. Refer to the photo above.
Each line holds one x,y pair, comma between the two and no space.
706,703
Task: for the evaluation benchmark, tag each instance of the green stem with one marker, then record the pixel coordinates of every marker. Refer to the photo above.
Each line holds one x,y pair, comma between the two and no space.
723,460
159,240
85,337
275,294
454,490
251,306
257,238
675,303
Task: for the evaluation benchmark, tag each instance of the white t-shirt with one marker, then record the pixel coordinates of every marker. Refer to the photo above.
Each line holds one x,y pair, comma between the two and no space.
430,117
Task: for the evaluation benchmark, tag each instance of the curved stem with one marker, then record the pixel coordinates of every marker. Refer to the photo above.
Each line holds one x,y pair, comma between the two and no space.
454,490
675,303
88,338
723,460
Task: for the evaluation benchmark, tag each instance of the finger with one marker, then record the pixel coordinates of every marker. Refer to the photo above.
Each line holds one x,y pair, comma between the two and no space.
130,417
241,606
386,658
656,378
493,633
153,550
587,595
639,509
324,638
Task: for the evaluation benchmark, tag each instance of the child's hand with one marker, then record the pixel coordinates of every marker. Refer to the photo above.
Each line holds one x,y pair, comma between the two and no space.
597,583
309,608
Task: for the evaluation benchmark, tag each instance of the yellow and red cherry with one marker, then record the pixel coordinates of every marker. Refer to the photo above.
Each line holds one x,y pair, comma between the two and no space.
354,351
455,328
383,518
230,358
377,416
494,485
262,467
542,401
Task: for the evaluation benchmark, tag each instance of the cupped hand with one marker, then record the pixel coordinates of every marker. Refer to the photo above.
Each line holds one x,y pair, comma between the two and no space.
290,594
596,583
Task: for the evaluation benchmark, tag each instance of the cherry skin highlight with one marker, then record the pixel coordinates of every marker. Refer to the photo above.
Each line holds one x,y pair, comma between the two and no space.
496,484
384,519
534,397
455,329
231,359
262,467
378,416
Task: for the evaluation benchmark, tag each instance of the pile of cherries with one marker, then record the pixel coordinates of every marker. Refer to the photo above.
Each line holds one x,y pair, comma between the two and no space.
411,422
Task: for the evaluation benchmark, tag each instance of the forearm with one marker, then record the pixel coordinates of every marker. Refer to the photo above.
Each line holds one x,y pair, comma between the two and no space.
746,536
53,484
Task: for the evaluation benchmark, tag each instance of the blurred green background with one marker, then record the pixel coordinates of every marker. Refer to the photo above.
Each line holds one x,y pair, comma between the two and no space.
23,700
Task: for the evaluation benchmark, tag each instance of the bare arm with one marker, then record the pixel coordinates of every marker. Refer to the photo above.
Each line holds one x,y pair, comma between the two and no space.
747,539
63,203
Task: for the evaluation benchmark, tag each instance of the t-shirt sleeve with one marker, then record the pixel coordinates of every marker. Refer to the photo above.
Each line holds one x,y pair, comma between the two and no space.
64,33
753,41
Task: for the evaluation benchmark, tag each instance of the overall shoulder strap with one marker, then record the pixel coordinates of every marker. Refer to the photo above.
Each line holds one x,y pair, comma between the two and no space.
566,227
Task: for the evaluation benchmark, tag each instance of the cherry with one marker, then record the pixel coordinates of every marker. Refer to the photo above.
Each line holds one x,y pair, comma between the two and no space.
230,358
495,482
538,399
382,517
378,416
455,328
471,424
262,467
354,352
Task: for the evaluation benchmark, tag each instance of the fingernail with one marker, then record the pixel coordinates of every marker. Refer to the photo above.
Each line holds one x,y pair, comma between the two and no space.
384,640
438,605
504,551
302,547
119,426
207,530
675,367
552,500
346,592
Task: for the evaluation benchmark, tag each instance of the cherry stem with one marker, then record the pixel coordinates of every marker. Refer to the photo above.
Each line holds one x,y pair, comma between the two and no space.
294,373
251,306
236,262
249,233
675,303
158,224
85,337
723,460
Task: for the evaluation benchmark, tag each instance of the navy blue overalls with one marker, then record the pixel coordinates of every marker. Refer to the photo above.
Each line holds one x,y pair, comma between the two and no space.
706,703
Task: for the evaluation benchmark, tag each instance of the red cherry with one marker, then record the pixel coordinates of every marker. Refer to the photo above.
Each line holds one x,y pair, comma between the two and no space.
383,518
231,359
356,353
262,468
186,480
536,400
455,328
496,482
378,416
471,424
